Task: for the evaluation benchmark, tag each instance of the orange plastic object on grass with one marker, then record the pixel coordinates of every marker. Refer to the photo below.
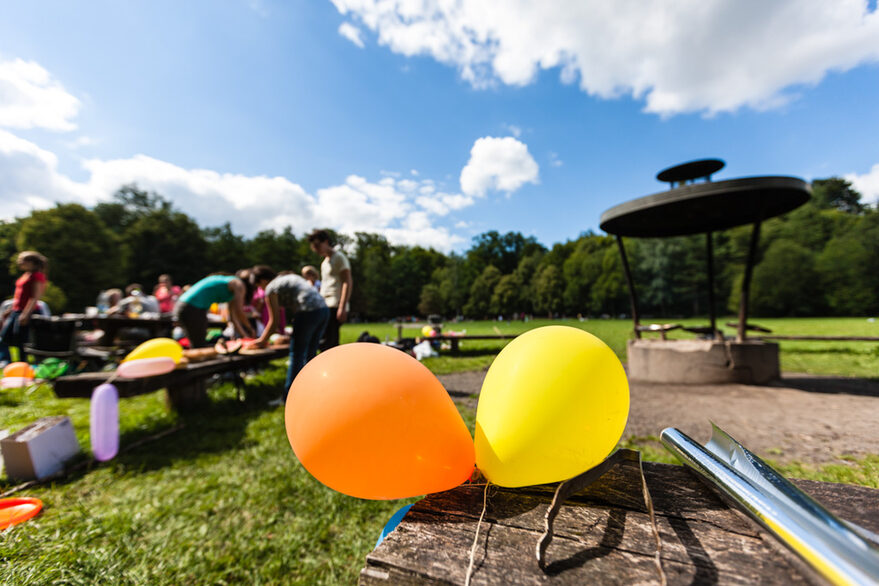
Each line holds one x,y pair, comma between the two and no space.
372,422
19,369
16,510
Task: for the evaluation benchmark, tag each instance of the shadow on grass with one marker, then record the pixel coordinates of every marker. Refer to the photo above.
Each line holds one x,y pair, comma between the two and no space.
867,350
868,387
471,352
218,426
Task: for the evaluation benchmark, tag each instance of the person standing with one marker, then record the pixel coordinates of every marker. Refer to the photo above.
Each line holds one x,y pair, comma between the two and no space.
191,310
29,287
336,285
308,311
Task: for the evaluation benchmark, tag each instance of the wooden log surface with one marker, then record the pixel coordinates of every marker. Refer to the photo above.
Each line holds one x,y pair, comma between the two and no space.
703,541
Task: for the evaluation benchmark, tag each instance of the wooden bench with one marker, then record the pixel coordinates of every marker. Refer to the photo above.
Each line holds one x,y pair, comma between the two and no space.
599,539
185,387
663,329
455,340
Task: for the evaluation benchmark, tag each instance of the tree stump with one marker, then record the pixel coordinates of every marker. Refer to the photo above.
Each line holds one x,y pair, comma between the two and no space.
599,539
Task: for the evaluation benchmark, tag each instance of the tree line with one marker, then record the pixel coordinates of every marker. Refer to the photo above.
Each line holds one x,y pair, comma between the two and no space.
821,259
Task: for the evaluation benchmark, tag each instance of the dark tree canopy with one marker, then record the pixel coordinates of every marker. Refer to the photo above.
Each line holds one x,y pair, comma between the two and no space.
838,194
821,259
84,255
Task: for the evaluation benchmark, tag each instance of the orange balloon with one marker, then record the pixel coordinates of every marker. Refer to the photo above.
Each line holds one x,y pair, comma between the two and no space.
372,422
19,369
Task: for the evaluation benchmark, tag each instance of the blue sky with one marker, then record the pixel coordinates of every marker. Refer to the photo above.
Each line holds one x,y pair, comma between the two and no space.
425,120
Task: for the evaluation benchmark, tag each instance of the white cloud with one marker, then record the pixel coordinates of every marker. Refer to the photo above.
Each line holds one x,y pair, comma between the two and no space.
554,159
680,56
259,7
402,208
29,178
867,184
502,164
82,142
352,33
513,129
397,208
30,98
441,204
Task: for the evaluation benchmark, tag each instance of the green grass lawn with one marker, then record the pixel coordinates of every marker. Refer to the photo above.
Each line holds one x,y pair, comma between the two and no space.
859,359
224,500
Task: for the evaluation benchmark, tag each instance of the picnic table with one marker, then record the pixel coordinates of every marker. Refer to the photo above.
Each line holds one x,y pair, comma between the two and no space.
185,387
158,326
601,536
456,340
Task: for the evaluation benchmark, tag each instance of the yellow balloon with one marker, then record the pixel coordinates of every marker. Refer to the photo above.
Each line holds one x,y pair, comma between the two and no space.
553,404
426,330
157,348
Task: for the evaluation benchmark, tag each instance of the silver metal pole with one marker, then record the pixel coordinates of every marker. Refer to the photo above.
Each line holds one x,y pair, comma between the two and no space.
837,550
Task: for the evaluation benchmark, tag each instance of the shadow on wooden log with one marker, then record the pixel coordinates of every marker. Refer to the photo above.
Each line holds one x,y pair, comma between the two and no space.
599,538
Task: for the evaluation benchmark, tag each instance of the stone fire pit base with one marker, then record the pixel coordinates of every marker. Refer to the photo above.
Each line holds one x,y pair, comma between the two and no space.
703,361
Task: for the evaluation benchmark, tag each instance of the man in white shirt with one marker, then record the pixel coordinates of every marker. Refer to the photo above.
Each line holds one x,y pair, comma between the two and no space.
336,285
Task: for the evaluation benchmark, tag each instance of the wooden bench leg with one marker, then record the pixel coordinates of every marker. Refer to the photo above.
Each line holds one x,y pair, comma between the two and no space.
188,397
454,346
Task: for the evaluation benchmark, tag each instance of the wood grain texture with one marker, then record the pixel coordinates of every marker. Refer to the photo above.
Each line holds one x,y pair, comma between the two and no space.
602,536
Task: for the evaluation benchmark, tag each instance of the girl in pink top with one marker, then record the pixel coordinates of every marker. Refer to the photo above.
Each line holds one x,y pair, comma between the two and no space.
29,287
166,293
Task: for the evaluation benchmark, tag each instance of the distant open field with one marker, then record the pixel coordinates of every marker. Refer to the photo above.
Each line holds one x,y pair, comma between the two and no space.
859,359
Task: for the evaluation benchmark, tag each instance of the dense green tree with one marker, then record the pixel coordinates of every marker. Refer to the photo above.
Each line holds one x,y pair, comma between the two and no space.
410,269
84,255
581,270
528,267
281,251
128,205
786,282
454,280
224,250
842,265
827,252
501,251
431,300
507,296
372,296
609,292
836,193
8,256
55,298
164,241
479,303
549,289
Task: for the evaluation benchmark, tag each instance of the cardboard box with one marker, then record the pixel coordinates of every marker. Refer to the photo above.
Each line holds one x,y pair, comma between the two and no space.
40,449
3,433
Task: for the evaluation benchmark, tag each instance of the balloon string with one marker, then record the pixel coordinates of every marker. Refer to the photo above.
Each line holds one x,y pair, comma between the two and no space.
657,558
476,537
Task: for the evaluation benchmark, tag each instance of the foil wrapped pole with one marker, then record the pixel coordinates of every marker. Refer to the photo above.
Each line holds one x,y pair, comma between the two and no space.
841,552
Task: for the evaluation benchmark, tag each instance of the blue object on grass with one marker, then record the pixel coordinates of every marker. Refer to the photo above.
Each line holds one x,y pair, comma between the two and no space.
392,524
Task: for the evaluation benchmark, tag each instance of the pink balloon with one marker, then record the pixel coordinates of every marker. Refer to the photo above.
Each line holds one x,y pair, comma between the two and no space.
15,382
144,367
104,422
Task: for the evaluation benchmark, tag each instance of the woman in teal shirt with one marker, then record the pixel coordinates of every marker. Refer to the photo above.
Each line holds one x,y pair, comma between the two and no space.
191,310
